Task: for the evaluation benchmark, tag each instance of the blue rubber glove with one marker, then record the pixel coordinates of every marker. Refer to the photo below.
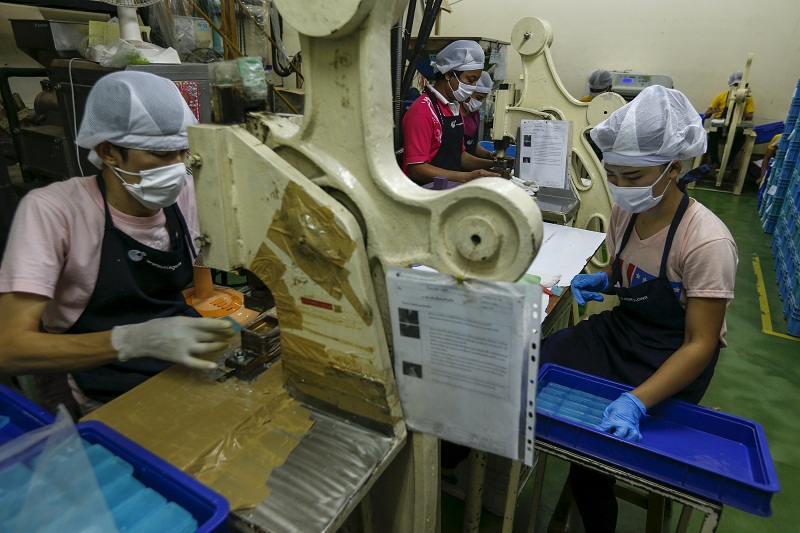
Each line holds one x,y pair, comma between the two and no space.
621,418
589,286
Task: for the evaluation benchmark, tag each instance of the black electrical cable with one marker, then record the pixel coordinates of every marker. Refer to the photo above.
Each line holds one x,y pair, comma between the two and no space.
276,66
428,19
412,9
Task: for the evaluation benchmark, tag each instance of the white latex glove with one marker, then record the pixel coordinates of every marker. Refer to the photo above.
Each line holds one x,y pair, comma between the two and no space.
172,339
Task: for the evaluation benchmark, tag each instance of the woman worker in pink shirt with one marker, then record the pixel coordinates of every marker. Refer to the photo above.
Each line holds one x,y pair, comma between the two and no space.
673,267
433,128
92,275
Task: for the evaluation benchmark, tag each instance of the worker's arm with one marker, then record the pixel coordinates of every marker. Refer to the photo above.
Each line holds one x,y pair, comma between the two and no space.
25,349
423,173
711,112
747,116
469,162
704,318
768,155
483,153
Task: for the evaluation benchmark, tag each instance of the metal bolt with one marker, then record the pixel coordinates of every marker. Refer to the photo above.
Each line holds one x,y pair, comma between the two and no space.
58,86
527,35
194,160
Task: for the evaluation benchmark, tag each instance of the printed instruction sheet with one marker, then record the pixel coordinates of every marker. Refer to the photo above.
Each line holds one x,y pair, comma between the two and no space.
544,150
466,358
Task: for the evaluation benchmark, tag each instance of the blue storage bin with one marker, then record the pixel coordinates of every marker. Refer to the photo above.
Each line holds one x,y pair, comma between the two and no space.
122,468
19,415
208,508
716,455
765,132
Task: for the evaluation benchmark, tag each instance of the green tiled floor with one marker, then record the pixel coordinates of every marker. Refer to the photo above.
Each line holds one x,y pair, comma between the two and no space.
757,377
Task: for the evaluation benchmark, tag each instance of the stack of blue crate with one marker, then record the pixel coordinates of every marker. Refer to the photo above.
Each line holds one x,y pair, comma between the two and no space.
783,168
780,213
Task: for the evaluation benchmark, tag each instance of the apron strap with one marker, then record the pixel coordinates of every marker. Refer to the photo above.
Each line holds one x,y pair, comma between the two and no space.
616,275
435,102
673,227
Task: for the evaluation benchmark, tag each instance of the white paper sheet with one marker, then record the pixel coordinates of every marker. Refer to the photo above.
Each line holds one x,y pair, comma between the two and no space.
466,358
544,152
565,251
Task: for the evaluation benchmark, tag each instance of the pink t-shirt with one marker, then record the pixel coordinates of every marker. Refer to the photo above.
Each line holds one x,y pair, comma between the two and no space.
702,261
422,131
471,122
55,242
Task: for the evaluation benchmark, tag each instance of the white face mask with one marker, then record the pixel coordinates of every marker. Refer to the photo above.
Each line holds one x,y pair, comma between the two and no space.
464,91
159,187
637,199
473,105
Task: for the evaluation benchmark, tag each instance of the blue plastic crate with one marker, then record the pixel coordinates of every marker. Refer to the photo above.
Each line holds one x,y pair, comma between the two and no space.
19,415
765,132
793,317
716,455
207,507
166,482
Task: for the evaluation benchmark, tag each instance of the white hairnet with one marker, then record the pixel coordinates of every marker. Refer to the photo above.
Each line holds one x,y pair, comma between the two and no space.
484,85
735,77
599,80
135,110
658,126
459,55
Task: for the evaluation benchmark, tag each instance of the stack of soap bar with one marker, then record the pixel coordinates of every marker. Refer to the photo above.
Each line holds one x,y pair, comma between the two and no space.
135,508
574,405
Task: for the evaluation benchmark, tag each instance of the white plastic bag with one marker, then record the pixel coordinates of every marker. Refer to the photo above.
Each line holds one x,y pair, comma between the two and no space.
61,492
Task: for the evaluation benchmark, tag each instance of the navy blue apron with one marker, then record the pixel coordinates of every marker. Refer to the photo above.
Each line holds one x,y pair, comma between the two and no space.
471,141
449,155
135,283
630,342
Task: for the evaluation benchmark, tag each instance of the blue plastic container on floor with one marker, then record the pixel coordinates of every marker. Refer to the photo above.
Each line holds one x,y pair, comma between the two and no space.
718,456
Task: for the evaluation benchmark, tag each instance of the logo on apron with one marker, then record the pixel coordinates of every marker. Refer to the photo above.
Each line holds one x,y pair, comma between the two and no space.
136,255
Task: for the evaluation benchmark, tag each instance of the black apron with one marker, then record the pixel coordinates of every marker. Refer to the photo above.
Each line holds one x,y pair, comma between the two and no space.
449,155
135,283
630,342
471,141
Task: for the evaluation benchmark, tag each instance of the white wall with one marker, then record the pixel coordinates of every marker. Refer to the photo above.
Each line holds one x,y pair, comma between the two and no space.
696,42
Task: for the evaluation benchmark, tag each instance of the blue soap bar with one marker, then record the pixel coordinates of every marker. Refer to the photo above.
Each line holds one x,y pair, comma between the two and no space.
171,517
234,324
142,505
570,404
97,454
121,489
111,469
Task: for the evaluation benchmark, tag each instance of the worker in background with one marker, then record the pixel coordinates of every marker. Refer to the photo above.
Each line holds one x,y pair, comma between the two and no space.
718,109
673,266
433,128
92,276
471,111
599,83
772,149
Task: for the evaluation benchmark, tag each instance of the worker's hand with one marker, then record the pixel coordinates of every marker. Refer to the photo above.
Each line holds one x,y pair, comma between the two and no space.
481,173
173,339
589,286
621,418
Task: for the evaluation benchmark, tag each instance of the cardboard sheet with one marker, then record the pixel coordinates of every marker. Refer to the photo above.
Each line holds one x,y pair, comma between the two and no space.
227,435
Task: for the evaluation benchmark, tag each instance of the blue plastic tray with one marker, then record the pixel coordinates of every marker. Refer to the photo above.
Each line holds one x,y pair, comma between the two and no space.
19,415
208,508
715,455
